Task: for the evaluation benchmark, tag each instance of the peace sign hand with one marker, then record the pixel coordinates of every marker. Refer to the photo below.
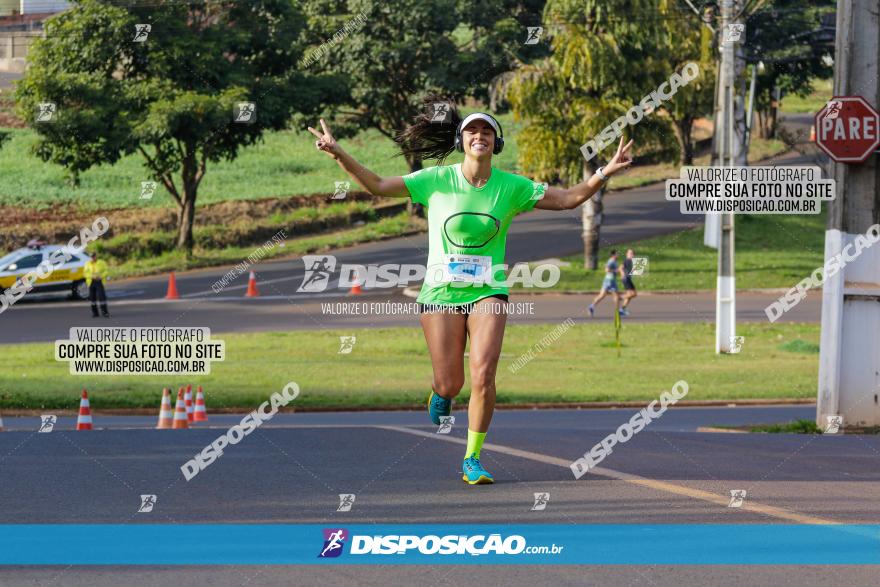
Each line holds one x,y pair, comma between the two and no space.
325,141
621,160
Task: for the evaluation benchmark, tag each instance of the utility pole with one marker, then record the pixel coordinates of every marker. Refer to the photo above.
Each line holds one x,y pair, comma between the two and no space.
730,151
849,359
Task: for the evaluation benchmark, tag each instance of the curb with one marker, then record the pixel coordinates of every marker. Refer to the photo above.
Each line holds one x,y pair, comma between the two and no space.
721,430
413,292
419,407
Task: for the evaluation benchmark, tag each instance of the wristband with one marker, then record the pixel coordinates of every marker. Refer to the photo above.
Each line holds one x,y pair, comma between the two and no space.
601,175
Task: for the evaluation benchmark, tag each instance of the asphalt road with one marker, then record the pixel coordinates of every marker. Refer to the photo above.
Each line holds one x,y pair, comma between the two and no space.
291,471
8,79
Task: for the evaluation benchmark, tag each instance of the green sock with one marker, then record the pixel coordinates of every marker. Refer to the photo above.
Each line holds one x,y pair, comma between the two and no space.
475,443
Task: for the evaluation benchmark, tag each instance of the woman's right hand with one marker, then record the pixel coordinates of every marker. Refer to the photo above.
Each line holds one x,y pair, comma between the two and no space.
326,142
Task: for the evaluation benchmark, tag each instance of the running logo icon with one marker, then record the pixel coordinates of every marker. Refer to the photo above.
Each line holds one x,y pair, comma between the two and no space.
141,32
334,540
47,423
147,504
441,112
346,500
733,32
46,111
319,268
341,190
541,500
534,34
736,498
640,265
346,344
832,110
834,425
245,112
446,423
538,190
148,188
736,343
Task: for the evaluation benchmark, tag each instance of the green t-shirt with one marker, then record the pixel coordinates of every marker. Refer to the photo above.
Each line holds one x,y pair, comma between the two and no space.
467,230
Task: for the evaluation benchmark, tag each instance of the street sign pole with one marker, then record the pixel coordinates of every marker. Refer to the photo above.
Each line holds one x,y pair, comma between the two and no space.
849,359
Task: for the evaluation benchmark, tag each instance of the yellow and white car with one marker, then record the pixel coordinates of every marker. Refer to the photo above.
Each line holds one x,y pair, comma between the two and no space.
65,277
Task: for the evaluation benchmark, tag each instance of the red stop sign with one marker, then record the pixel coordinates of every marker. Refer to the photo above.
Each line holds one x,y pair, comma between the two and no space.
848,129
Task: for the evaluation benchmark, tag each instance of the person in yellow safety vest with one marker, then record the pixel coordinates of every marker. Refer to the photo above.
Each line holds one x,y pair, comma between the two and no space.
96,273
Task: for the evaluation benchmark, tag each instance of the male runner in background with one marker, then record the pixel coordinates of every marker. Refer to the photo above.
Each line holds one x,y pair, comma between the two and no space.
628,284
609,284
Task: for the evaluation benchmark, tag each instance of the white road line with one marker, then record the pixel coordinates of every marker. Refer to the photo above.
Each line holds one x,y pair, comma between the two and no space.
781,513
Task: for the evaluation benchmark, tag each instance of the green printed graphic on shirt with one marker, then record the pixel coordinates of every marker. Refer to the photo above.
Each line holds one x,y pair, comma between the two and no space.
467,230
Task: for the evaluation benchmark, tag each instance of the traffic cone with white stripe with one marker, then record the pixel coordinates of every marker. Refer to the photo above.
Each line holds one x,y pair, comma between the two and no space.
84,420
166,416
189,403
356,285
200,414
252,287
180,420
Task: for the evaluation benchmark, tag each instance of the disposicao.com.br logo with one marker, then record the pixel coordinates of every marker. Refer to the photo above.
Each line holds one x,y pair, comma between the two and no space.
451,544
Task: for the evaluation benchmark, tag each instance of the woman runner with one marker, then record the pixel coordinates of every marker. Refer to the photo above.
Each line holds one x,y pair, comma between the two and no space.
470,206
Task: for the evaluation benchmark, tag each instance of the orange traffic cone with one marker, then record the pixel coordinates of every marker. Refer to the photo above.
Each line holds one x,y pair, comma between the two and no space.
166,416
180,420
188,397
84,420
813,134
252,287
356,288
172,288
201,414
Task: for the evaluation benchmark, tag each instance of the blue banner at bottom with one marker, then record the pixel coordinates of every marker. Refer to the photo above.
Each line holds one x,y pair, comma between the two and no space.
600,544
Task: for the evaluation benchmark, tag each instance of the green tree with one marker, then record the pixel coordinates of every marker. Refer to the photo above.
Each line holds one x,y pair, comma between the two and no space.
409,49
688,40
795,41
173,96
607,55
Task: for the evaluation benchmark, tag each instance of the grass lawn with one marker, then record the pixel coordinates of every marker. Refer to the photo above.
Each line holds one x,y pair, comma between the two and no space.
285,163
813,102
771,252
795,427
391,367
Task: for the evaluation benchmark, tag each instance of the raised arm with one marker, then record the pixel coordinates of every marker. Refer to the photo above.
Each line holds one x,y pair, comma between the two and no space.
378,186
556,198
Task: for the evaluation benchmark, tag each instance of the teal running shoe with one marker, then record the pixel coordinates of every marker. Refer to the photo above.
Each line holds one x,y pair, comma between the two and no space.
438,406
473,472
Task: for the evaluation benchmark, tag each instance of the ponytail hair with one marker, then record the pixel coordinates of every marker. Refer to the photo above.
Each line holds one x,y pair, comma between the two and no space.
429,139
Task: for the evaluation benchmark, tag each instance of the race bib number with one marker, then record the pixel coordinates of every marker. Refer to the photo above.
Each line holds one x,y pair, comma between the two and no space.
468,268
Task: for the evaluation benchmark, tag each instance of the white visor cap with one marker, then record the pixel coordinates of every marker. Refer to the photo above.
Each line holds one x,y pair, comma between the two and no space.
481,116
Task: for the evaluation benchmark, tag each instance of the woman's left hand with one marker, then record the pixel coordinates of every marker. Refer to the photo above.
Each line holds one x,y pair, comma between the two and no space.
621,160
